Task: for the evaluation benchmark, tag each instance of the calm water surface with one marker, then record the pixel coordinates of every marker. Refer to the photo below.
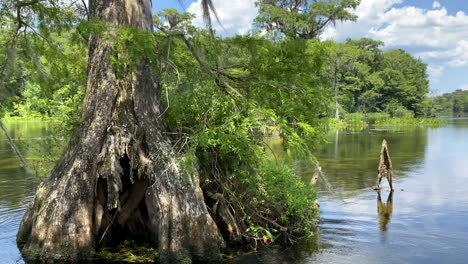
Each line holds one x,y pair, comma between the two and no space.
16,186
424,221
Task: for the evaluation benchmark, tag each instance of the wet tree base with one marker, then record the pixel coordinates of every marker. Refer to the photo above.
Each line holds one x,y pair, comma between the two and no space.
133,252
39,255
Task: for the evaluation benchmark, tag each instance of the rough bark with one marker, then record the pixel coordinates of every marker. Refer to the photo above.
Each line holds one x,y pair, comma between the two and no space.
385,166
119,176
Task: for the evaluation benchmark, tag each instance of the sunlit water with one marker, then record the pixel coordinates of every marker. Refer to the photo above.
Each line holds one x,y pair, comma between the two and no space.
426,220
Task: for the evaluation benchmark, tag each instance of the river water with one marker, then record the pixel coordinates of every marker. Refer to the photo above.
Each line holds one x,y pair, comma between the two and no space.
425,220
17,187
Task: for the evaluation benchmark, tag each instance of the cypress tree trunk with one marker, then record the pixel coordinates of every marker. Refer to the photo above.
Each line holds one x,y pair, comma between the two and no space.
119,178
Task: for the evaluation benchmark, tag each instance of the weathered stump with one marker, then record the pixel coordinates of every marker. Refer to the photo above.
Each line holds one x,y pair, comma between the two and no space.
385,166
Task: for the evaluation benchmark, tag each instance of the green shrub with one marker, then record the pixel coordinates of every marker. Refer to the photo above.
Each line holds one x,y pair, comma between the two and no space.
355,121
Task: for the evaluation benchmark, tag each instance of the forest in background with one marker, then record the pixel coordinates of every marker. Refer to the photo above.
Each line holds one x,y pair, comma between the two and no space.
455,102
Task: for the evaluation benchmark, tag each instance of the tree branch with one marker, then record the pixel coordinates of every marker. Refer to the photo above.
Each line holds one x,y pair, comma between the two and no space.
85,8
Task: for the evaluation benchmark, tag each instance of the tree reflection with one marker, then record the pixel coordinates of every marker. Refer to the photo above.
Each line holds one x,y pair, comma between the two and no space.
15,183
351,164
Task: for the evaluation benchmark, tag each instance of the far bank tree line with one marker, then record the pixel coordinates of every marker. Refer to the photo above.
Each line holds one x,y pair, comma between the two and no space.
455,102
366,79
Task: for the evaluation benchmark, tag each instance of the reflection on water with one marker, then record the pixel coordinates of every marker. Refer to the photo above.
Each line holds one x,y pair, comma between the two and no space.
351,160
384,210
16,187
423,221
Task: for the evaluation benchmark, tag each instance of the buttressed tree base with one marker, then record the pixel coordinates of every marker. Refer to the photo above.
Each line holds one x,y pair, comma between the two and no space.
119,175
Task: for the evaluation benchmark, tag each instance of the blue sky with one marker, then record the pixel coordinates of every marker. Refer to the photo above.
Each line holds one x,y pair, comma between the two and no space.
434,31
162,4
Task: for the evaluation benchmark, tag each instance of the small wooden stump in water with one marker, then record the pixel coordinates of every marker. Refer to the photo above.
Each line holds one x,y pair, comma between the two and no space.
385,166
317,175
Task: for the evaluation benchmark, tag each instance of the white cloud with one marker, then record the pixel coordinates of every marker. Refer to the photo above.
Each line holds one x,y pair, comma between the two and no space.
433,34
437,37
370,10
454,57
329,33
435,72
463,87
236,16
411,26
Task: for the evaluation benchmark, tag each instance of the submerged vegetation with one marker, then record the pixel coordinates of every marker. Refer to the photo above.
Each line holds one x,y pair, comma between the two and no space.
129,252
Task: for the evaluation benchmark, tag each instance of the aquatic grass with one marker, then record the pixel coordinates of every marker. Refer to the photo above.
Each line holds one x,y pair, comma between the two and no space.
355,121
333,124
29,118
359,121
373,117
349,125
129,252
410,122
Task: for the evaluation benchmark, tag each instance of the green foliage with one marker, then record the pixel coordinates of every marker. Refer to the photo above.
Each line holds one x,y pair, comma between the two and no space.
221,96
366,79
259,84
355,121
411,86
280,185
396,109
399,123
54,78
401,119
373,117
26,28
455,102
302,19
334,124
